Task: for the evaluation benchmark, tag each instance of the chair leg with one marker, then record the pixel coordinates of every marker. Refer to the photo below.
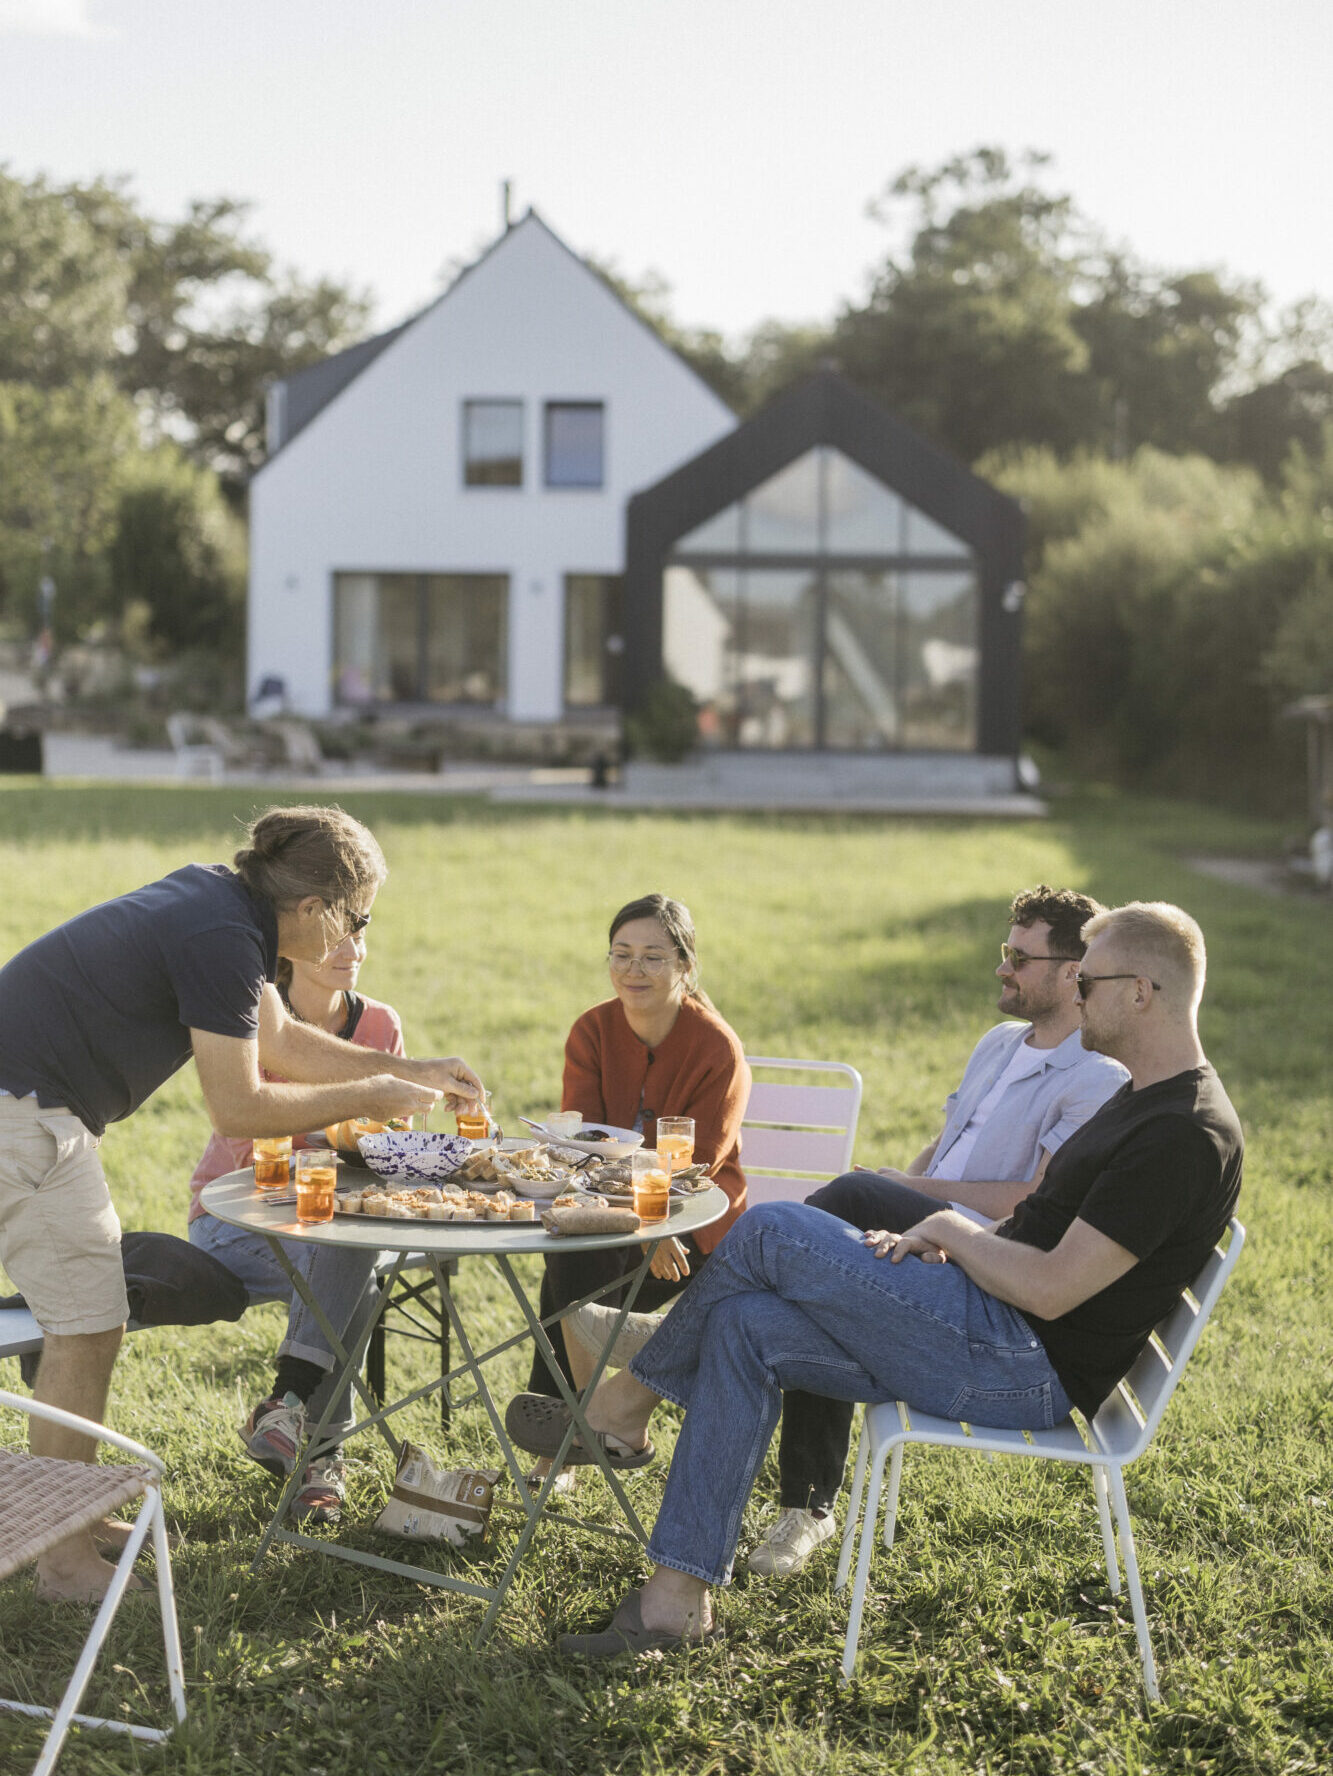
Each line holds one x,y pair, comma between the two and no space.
166,1598
853,1510
863,1568
1108,1532
65,1713
1131,1559
891,1504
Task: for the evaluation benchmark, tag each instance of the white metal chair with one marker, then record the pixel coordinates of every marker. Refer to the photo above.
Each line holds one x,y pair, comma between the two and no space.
1122,1429
42,1501
796,1136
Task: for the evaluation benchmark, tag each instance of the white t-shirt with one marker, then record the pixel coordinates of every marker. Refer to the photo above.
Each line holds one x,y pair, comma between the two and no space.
1025,1060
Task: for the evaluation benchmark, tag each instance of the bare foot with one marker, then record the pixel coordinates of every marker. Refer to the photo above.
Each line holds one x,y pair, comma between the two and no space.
622,1408
676,1603
111,1535
77,1580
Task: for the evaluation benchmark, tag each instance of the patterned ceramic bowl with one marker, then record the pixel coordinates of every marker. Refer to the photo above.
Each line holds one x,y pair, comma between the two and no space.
418,1156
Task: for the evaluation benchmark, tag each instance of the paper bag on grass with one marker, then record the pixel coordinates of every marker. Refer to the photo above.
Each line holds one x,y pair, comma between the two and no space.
430,1504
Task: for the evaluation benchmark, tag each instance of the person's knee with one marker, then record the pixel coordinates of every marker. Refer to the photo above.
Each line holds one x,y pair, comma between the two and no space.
866,1200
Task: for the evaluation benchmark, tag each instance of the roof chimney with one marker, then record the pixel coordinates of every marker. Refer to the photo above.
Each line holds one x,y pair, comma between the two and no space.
505,188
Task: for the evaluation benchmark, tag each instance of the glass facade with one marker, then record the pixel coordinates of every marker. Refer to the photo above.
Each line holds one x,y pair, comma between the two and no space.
823,610
420,638
492,443
594,639
574,443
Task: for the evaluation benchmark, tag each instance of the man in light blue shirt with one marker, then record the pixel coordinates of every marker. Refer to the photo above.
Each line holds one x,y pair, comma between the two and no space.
1026,1088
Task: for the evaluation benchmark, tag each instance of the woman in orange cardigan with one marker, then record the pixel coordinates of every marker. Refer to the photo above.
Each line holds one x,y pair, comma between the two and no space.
659,1048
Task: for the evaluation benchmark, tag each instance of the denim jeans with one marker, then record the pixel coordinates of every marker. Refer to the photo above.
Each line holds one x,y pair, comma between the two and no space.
816,1431
339,1278
791,1298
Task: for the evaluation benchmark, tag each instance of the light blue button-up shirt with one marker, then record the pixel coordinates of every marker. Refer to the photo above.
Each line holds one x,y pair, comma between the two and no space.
1037,1114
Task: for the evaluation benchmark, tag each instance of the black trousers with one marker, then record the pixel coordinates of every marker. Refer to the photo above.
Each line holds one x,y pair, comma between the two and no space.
569,1277
816,1432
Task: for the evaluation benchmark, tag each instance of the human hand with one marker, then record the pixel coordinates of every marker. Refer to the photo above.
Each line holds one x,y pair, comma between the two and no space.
384,1096
897,1246
455,1080
670,1262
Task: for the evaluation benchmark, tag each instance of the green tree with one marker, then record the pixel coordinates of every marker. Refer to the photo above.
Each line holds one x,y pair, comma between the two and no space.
969,333
178,550
62,288
62,451
1160,348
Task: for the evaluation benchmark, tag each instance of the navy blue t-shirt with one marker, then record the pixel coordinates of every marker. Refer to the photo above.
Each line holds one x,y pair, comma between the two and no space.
98,1013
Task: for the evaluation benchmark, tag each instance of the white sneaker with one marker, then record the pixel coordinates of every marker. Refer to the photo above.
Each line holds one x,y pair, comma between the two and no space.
591,1324
790,1543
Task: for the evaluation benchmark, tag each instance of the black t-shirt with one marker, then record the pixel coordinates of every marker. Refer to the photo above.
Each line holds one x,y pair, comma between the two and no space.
96,1014
1158,1171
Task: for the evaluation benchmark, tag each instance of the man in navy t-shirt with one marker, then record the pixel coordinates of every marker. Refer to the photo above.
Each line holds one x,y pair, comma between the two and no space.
98,1013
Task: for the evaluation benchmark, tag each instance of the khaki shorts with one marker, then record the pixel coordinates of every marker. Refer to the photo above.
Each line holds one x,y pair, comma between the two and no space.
59,1235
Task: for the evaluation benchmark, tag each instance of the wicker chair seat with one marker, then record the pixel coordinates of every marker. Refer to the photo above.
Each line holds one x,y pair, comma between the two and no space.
43,1500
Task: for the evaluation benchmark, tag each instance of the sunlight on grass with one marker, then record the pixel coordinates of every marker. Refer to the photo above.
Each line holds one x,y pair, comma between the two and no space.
991,1641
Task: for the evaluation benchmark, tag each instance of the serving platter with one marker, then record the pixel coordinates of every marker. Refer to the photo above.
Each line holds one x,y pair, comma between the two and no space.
616,1143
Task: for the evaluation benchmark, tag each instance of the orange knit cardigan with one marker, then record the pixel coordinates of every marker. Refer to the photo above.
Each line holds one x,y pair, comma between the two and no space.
698,1070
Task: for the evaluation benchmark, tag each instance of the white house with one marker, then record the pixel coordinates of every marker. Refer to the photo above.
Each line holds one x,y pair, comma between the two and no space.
441,519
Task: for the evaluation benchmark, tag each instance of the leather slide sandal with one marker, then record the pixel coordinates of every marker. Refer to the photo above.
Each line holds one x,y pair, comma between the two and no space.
538,1422
627,1634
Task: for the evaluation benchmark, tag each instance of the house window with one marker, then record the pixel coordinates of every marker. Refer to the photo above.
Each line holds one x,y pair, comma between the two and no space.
574,440
594,640
420,638
492,443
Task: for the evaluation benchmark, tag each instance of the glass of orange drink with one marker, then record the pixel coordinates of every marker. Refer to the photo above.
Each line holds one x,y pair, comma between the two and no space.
316,1175
675,1142
651,1182
272,1153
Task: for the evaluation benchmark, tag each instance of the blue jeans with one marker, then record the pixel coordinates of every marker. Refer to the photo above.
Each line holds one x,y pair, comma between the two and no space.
791,1298
339,1278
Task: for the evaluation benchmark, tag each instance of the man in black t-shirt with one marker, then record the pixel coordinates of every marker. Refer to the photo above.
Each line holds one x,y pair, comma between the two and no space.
1011,1327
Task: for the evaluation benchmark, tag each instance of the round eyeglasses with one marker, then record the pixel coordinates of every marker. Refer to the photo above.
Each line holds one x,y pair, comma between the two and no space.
621,961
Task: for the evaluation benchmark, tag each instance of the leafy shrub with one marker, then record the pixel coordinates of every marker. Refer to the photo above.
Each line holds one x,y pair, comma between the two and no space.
665,726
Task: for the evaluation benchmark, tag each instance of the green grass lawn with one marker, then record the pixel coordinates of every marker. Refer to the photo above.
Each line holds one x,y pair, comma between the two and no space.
991,1642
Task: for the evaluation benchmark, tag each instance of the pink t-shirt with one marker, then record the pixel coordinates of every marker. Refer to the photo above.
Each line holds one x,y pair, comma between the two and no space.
377,1027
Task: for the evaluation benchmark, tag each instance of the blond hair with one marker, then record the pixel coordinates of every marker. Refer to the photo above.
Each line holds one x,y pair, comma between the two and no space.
1162,941
300,851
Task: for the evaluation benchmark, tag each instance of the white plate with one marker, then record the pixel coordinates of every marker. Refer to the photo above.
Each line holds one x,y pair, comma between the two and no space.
621,1143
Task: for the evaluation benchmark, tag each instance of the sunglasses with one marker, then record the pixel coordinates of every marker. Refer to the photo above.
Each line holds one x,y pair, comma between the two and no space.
1084,981
1020,958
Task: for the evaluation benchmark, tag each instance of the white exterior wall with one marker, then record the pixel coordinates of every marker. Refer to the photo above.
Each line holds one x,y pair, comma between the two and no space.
375,481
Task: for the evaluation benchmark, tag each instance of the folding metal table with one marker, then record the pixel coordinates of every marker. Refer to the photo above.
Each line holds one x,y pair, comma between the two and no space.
234,1199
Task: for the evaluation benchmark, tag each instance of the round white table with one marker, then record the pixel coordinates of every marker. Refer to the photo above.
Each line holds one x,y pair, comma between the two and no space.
272,1214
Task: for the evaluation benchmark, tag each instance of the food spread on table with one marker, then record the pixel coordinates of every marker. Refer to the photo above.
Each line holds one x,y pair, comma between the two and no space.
419,1175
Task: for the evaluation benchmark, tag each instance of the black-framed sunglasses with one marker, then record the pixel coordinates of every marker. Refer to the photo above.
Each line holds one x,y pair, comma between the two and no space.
1020,958
356,923
1084,981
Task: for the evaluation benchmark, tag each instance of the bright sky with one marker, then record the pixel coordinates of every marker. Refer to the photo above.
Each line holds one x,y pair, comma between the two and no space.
732,145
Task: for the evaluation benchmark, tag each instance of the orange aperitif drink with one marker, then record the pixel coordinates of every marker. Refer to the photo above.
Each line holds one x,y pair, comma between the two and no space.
651,1183
316,1176
675,1141
272,1152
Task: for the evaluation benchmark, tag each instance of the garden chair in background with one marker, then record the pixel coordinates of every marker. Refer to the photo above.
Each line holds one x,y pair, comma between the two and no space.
798,1135
298,748
1122,1429
42,1501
